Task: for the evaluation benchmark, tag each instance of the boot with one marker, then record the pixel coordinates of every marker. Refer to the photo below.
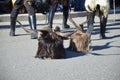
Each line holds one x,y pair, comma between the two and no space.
13,24
65,17
32,22
103,22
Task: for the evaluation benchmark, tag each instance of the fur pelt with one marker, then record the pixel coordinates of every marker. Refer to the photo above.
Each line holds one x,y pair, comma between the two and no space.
79,42
50,45
91,5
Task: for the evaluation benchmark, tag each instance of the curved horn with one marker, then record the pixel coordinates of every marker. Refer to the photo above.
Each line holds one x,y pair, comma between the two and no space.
63,34
25,29
37,30
71,20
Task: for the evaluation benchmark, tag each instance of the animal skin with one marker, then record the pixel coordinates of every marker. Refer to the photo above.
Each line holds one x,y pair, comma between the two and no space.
91,5
50,46
79,42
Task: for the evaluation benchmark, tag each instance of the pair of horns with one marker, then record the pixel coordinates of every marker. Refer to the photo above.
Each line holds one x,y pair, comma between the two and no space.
48,29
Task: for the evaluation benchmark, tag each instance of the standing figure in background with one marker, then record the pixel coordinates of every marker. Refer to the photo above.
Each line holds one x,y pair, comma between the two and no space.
100,9
40,6
32,17
54,4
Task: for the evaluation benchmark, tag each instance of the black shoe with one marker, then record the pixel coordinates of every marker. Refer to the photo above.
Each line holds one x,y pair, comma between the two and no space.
66,26
12,33
34,35
102,36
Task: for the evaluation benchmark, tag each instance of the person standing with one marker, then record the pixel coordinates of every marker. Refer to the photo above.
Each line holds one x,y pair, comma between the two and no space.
14,13
54,4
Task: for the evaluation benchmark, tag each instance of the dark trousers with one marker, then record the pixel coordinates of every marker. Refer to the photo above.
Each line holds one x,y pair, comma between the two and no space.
17,5
79,5
53,9
14,13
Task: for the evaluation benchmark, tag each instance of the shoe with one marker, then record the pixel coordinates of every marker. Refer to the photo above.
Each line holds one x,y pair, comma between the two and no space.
34,35
12,33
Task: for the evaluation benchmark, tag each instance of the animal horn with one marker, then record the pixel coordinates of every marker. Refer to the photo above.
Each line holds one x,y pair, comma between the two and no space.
37,30
25,29
71,20
63,34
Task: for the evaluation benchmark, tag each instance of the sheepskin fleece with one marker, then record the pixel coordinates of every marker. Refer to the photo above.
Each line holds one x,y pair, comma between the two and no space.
91,5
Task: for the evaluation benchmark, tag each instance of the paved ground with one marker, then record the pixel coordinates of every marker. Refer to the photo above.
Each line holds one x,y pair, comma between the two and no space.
17,60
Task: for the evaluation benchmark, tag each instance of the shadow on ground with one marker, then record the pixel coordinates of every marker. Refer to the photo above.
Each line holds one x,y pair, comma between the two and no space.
96,54
105,46
71,54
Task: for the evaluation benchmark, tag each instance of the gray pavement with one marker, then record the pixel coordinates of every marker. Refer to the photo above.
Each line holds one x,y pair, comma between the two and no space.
17,53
